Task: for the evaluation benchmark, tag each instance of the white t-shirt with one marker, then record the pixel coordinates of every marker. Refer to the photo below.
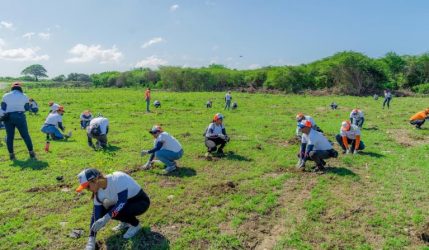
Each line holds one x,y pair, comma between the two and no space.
101,122
359,115
53,119
388,94
217,129
116,183
54,107
228,97
33,105
15,101
352,133
317,139
168,142
306,118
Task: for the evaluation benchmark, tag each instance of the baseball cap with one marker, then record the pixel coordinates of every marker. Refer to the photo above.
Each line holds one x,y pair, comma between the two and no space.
304,124
299,117
345,126
218,116
85,176
61,108
155,129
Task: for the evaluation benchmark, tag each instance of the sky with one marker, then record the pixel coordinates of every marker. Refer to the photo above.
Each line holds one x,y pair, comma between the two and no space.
92,36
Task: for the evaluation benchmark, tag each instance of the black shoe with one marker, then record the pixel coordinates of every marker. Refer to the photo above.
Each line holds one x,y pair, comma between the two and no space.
12,157
220,152
32,155
323,163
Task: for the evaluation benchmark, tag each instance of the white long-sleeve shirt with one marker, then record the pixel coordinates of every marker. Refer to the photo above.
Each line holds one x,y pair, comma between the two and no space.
15,101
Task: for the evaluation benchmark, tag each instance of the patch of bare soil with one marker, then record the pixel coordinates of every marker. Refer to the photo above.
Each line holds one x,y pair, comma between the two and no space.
407,138
222,188
423,234
49,188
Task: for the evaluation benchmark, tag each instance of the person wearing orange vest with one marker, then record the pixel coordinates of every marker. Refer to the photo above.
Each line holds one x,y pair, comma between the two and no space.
147,99
419,118
349,138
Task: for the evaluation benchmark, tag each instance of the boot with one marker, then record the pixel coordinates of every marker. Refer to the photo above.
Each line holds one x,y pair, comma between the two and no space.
32,155
12,156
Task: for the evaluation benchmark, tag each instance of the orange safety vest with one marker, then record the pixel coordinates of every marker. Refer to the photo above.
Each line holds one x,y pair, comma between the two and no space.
419,116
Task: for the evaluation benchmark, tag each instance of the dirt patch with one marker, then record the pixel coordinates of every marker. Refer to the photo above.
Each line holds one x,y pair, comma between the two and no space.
424,234
50,188
223,188
406,138
166,183
187,134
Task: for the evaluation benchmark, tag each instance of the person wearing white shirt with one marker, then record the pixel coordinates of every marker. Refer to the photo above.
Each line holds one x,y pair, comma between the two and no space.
387,98
85,119
98,129
53,106
314,147
14,105
228,99
166,148
34,108
215,136
357,117
116,196
349,138
300,117
53,124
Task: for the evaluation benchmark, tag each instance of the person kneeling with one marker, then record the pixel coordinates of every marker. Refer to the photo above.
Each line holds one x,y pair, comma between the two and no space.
167,149
34,108
215,136
314,147
98,129
115,196
85,119
349,138
53,123
419,118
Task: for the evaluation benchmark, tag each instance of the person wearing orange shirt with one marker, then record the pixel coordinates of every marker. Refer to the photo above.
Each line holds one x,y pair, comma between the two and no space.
147,99
349,138
419,118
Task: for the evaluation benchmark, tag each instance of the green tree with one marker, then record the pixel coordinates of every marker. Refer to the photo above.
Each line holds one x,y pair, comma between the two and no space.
35,70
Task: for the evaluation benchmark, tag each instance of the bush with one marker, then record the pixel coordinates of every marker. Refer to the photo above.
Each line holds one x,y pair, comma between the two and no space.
421,88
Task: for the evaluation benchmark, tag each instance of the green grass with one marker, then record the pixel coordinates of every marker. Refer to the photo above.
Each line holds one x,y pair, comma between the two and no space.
377,200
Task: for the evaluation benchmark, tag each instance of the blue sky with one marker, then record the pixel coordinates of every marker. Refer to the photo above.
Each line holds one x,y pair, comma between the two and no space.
89,36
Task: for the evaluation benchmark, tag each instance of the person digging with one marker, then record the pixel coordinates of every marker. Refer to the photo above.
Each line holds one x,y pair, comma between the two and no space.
215,136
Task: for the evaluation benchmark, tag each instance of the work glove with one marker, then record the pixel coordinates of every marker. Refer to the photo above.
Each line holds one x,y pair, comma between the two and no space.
90,245
347,151
100,223
144,152
222,136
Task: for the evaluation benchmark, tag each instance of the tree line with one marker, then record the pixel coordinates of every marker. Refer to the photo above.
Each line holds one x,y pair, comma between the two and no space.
347,72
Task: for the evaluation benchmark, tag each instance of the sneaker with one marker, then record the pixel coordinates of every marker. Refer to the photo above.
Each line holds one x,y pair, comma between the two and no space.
32,155
121,226
12,157
132,231
170,169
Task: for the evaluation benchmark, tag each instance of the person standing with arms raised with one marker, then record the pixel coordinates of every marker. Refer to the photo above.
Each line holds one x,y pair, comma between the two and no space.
15,104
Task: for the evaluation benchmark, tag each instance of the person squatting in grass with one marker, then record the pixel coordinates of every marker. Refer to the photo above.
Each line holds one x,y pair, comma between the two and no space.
234,105
387,98
166,148
157,104
215,135
419,118
334,105
98,129
349,138
209,104
300,117
53,124
116,196
85,119
357,118
53,106
228,99
34,108
314,147
147,99
15,104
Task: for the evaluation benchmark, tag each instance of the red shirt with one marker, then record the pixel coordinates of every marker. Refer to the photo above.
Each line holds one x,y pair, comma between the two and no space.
147,94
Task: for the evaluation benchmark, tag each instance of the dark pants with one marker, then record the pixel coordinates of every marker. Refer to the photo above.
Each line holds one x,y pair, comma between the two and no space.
147,105
84,124
217,141
227,105
17,120
134,206
417,123
358,122
318,156
339,139
387,101
34,110
101,140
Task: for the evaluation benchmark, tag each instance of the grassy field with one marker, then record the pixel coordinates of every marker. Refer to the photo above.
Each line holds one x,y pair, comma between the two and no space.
251,199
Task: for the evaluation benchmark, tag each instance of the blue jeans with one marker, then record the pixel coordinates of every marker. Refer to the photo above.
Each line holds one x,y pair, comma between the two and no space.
53,131
227,104
17,120
387,101
147,105
34,110
168,157
84,124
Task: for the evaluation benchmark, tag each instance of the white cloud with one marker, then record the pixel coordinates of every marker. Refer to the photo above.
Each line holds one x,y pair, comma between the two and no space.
83,53
44,36
174,7
6,25
254,66
28,35
153,41
151,62
2,43
21,54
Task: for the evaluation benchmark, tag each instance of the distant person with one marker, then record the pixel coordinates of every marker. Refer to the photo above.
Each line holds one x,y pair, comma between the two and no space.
115,196
157,104
85,119
234,105
334,106
300,117
34,108
209,104
215,135
419,118
357,117
98,129
53,124
14,105
228,99
147,99
166,148
387,98
53,106
314,147
349,138
375,97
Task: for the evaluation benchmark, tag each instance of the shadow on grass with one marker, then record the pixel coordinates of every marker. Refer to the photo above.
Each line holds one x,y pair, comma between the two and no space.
371,154
111,148
341,171
146,239
33,164
235,157
375,128
182,172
